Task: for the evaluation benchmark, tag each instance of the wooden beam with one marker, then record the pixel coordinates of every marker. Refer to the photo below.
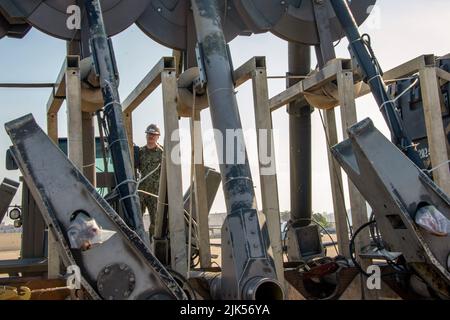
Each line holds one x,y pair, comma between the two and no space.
267,169
337,188
52,249
89,168
52,126
311,83
162,195
327,74
201,201
404,70
443,75
58,94
291,94
435,128
150,82
244,72
358,205
74,114
177,226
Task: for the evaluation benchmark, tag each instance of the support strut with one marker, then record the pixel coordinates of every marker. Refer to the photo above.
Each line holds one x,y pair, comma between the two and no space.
248,271
117,139
373,77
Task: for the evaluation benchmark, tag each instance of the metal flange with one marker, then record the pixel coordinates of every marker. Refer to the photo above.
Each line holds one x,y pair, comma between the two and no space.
294,20
50,16
116,282
170,22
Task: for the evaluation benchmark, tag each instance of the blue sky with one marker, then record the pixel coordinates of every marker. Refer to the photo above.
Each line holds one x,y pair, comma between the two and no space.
402,30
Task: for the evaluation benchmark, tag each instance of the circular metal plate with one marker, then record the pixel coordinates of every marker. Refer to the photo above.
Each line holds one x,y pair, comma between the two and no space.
262,15
116,282
294,20
170,22
50,16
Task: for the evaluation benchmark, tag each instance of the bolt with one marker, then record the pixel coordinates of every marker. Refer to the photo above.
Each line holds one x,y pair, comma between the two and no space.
132,279
126,294
122,267
106,271
159,9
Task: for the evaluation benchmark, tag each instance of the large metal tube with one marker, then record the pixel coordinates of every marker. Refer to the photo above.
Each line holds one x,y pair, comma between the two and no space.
118,142
300,139
236,176
373,77
244,256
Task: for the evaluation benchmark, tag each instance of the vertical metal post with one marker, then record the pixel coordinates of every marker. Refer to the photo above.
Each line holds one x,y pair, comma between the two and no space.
118,142
300,139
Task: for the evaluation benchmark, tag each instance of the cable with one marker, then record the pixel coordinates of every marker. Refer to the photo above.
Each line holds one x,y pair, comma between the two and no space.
352,247
336,172
288,225
394,265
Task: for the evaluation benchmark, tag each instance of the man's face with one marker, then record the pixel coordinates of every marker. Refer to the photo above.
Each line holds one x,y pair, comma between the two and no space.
152,138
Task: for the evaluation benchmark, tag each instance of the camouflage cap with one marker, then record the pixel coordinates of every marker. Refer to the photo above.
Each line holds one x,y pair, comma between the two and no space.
153,129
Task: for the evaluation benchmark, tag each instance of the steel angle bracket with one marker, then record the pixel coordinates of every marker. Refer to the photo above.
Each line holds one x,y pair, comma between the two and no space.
395,189
121,267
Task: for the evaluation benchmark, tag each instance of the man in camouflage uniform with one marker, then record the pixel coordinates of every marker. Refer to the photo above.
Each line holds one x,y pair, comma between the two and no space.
150,157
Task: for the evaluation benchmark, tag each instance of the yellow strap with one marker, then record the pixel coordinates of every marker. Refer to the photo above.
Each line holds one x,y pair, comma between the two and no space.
12,293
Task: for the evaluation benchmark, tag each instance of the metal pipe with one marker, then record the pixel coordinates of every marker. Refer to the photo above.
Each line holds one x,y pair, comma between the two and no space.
117,139
300,139
236,177
373,77
244,256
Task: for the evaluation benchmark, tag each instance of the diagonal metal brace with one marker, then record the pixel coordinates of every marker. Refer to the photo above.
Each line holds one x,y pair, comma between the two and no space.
395,189
61,190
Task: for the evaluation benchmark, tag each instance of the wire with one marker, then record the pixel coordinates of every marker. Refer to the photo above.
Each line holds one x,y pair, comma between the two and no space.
352,247
398,268
336,172
288,225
